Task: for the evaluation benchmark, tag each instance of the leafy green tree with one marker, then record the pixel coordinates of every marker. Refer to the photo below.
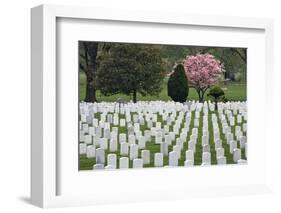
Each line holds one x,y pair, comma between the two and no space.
216,93
130,69
178,85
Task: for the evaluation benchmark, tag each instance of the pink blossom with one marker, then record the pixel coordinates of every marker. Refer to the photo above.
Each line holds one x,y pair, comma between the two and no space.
202,70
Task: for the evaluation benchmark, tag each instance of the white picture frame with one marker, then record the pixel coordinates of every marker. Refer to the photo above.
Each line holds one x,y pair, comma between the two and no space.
46,169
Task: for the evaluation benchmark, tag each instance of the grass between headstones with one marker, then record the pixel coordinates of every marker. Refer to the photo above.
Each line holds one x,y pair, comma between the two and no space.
87,163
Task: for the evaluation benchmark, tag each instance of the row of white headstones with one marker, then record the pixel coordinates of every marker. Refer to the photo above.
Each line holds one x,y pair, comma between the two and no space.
100,135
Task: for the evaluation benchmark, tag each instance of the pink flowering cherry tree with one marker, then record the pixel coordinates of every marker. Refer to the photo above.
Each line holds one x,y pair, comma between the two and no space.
202,71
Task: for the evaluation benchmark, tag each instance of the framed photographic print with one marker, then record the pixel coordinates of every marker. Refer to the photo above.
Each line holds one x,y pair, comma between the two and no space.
132,106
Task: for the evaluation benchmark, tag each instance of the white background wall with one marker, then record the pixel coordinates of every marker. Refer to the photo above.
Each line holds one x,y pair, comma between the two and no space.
15,104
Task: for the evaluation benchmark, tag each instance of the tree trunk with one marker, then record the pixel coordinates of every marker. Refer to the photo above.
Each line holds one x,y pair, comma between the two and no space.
135,96
200,96
216,104
90,91
90,51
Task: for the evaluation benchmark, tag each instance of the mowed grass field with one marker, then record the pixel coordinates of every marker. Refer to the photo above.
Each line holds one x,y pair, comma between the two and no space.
88,163
233,92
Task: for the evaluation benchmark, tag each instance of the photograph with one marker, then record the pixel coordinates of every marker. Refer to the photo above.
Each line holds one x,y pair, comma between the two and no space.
160,105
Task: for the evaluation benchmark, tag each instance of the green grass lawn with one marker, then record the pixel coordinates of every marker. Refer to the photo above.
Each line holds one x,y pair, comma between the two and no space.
233,92
87,163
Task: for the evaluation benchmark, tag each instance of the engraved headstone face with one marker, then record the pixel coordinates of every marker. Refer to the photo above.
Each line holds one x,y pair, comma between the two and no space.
124,163
164,148
206,148
92,131
113,146
133,151
88,139
158,159
122,138
206,158
98,166
205,140
132,139
242,141
173,158
189,155
137,163
122,122
91,151
106,133
112,160
100,156
218,144
82,148
145,155
177,149
192,145
141,142
168,139
104,143
124,149
232,146
188,163
109,118
241,161
131,130
221,160
220,152
236,155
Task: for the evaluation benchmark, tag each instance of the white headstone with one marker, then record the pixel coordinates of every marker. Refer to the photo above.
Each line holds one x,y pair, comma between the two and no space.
188,163
134,151
106,133
219,152
113,145
141,142
122,138
109,167
242,161
232,146
137,163
124,149
92,130
98,166
196,122
236,155
82,148
158,159
91,151
132,139
112,160
100,156
124,163
206,148
221,160
242,141
122,122
145,155
177,149
192,145
168,139
189,155
173,158
206,158
218,144
164,148
104,143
